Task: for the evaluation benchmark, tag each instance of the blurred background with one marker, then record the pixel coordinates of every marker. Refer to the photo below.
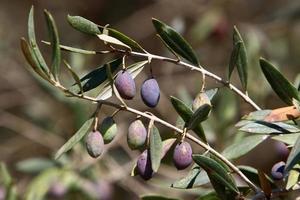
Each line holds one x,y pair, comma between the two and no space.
35,119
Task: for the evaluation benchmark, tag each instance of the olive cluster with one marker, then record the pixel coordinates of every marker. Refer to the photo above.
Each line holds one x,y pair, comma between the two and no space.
137,135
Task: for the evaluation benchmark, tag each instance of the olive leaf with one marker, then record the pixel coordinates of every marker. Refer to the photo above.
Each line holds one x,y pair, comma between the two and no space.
294,156
53,33
32,42
243,146
252,174
155,148
186,113
175,41
281,86
112,40
72,49
293,177
215,171
83,25
75,138
198,116
74,75
34,165
289,139
263,127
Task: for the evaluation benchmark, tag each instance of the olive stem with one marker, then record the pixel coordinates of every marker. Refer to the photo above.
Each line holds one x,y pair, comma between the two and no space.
154,118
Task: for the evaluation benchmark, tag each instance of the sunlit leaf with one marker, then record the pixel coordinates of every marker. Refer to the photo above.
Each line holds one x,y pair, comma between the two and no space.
112,40
186,113
195,178
175,41
75,138
283,114
263,127
83,25
243,146
281,86
289,139
53,34
211,93
166,146
293,177
294,156
198,116
215,171
257,115
5,177
155,148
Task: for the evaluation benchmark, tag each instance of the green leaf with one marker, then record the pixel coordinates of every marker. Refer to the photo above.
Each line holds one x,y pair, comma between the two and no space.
33,44
112,40
56,55
97,76
175,41
32,60
124,38
186,113
234,58
215,171
155,148
263,127
241,61
211,93
243,146
166,146
134,70
83,25
75,138
210,196
289,139
257,115
252,174
199,116
5,177
156,197
294,156
34,165
73,49
195,178
293,177
74,75
281,86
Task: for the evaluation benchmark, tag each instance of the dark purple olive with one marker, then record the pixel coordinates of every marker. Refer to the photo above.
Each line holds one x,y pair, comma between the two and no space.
125,85
94,144
182,156
150,92
278,170
137,135
144,167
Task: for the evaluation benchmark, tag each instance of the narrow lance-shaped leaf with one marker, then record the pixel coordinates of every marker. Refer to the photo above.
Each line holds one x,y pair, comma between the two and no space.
155,148
243,146
198,116
186,113
242,60
31,59
73,49
97,76
215,171
33,44
6,179
175,41
75,138
53,33
122,37
83,25
294,156
293,177
234,57
112,40
281,86
288,139
74,75
269,128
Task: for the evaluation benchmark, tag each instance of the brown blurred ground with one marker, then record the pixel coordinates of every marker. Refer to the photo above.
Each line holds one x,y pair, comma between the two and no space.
34,123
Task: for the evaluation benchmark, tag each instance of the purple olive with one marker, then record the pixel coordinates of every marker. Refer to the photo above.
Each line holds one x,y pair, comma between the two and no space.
278,170
150,92
137,135
182,156
125,85
94,144
144,167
